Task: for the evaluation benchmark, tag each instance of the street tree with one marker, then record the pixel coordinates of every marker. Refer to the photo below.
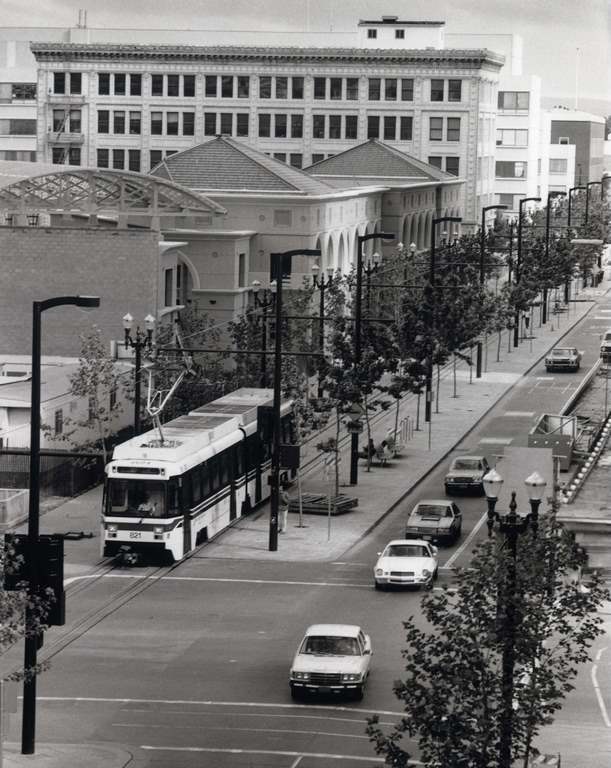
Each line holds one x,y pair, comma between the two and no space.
452,690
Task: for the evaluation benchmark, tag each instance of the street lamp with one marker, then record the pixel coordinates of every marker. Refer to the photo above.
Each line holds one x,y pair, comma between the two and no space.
516,330
264,302
482,254
143,340
277,260
430,290
28,726
550,197
570,196
321,283
360,239
511,525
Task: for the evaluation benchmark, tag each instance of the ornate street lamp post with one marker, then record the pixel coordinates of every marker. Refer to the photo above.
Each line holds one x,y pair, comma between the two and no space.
321,282
512,526
141,341
482,256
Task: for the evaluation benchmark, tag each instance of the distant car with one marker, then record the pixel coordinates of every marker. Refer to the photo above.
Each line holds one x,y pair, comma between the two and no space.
466,473
438,520
563,359
332,658
605,344
406,563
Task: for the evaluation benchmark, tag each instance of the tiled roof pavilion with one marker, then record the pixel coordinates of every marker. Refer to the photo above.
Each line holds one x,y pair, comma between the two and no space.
380,161
226,165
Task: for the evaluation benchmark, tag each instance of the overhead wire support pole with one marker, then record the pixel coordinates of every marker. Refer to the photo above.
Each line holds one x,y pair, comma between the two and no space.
482,256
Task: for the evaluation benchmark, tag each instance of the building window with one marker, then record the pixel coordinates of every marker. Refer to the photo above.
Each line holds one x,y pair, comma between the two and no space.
227,123
296,159
296,126
58,156
155,157
351,129
135,85
405,128
335,88
133,160
173,85
564,140
59,82
75,82
280,126
209,123
352,88
435,161
264,125
407,89
103,121
335,126
390,89
454,90
390,127
399,34
59,118
318,126
23,92
24,127
435,128
243,87
452,165
506,199
241,270
509,137
168,288
103,84
171,123
297,87
156,123
282,218
118,122
242,120
135,123
265,87
282,85
157,85
513,100
280,156
437,90
320,87
74,156
372,34
119,84
557,165
211,86
188,123
227,86
317,157
118,159
374,88
453,129
59,421
506,169
373,127
102,158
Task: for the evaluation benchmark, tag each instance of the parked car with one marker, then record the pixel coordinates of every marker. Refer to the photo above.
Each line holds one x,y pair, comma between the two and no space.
332,658
466,473
438,520
605,345
406,563
563,359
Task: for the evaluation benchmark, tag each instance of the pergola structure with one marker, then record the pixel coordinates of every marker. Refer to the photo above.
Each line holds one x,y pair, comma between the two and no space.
101,192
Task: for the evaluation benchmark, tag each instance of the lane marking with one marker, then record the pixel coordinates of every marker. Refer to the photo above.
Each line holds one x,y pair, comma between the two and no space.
215,578
599,697
245,730
266,715
279,752
467,541
210,702
520,414
496,440
544,378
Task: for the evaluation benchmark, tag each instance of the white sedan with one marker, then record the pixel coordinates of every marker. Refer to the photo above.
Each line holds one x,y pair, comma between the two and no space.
405,562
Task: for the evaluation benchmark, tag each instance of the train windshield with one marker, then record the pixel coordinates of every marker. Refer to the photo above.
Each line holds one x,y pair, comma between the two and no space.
138,498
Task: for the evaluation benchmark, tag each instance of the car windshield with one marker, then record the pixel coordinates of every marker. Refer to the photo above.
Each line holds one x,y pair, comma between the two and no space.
432,510
406,550
562,352
467,464
324,645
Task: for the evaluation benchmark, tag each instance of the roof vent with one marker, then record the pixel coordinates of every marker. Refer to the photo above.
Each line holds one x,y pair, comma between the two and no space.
389,19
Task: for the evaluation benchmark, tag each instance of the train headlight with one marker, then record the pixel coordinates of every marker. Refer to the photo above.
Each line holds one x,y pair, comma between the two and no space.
158,532
111,530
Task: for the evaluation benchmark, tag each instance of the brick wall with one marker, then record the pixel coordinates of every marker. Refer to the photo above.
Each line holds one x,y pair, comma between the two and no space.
119,266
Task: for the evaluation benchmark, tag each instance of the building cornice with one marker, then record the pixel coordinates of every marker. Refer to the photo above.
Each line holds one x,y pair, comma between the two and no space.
57,52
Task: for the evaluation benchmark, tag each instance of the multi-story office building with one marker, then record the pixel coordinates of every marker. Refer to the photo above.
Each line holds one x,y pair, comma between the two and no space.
130,106
586,132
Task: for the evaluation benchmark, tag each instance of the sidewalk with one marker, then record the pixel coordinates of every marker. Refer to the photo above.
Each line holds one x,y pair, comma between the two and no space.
94,755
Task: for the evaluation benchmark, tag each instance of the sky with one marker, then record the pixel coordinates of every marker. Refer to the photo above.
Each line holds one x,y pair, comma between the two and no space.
566,42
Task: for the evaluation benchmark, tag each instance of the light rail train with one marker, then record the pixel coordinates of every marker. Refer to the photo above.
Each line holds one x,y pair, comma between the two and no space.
166,495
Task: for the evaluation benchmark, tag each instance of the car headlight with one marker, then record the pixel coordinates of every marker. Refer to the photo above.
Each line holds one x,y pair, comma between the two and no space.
426,573
111,528
350,677
300,675
379,571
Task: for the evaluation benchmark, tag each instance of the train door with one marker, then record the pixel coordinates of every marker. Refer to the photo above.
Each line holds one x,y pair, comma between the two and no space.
184,501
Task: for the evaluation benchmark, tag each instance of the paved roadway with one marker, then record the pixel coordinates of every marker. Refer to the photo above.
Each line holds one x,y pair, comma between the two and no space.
193,671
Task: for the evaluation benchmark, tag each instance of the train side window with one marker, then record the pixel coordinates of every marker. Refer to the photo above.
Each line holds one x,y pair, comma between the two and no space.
224,468
205,481
238,458
196,485
213,473
173,497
